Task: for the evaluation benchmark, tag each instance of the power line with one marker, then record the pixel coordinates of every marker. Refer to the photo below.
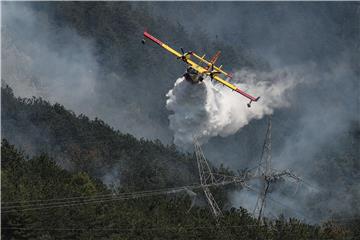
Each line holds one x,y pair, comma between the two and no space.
67,203
90,200
128,229
139,193
98,195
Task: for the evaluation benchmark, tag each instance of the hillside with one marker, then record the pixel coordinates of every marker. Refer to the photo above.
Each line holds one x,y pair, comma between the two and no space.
73,156
86,104
77,143
80,144
40,200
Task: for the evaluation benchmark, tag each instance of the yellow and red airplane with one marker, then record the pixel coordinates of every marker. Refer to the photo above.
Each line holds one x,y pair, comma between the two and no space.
196,72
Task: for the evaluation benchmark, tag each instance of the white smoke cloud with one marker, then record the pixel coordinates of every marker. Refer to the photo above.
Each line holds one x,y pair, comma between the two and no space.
35,64
208,109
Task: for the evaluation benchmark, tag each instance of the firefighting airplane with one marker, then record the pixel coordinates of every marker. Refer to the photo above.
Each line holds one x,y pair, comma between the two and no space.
196,73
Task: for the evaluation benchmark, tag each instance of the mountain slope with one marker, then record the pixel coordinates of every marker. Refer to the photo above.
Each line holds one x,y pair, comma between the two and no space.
81,144
67,206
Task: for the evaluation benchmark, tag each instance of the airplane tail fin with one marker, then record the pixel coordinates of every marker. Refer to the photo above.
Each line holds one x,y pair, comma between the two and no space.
215,57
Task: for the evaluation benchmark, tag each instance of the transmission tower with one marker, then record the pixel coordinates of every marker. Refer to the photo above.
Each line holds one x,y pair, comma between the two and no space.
206,178
267,174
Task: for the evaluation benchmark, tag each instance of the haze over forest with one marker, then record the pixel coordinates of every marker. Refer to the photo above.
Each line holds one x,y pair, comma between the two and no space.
88,60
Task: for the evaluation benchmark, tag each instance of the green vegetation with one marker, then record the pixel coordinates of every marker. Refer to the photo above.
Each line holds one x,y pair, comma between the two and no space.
91,146
60,155
156,217
78,152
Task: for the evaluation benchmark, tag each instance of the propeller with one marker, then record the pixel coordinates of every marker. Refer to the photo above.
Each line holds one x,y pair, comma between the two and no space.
184,54
182,51
212,72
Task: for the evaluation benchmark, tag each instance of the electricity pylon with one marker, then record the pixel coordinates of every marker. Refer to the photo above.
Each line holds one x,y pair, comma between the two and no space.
206,178
267,174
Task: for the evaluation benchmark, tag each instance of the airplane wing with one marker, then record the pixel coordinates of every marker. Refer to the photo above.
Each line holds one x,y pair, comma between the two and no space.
202,59
234,88
176,53
186,58
157,41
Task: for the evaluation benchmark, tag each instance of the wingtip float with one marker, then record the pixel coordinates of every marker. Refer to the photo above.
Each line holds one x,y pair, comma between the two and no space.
196,72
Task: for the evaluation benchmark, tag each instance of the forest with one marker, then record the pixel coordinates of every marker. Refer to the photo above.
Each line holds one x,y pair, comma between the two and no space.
60,196
87,152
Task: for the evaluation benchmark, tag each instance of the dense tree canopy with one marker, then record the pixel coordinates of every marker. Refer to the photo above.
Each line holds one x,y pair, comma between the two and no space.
30,187
68,157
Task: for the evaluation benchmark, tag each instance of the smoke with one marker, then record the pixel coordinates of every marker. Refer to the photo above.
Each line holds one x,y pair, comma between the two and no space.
111,177
316,147
34,65
313,107
46,57
308,119
312,137
208,109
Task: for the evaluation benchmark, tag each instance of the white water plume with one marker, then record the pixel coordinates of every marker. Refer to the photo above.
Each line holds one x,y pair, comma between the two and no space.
209,109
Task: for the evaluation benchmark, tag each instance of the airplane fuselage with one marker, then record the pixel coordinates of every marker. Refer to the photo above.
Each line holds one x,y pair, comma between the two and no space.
196,73
193,76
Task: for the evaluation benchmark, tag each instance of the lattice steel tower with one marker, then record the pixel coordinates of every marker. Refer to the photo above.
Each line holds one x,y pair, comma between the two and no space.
206,178
267,174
